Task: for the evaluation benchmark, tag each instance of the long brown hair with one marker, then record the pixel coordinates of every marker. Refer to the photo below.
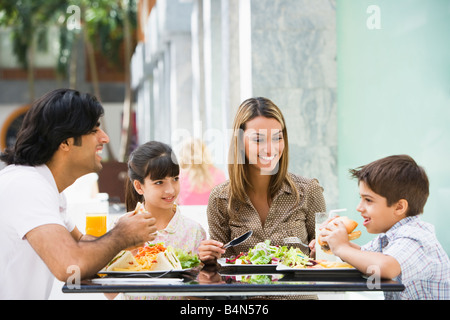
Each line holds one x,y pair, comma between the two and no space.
238,164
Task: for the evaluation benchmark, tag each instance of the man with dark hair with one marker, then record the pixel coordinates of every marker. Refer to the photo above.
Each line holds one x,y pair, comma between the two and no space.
60,141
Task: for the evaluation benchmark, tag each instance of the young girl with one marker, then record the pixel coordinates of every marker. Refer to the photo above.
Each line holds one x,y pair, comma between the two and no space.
153,180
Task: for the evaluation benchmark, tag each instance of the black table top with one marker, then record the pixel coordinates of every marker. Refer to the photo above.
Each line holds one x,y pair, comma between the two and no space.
235,281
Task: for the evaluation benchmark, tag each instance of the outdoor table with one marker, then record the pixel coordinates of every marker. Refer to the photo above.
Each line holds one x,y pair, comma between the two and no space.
234,282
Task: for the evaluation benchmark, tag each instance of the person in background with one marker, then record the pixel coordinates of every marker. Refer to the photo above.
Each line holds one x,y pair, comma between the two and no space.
153,173
260,195
198,174
393,193
60,140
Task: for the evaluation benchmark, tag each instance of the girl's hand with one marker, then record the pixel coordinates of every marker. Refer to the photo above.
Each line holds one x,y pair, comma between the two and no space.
210,250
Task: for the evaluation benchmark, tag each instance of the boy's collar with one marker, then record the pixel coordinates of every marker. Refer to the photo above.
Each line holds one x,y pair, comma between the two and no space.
399,224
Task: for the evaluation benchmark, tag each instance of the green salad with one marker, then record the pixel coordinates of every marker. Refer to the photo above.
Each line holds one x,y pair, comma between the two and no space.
187,259
263,253
295,258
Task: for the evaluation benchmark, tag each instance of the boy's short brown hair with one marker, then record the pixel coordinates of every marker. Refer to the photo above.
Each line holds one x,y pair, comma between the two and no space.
394,178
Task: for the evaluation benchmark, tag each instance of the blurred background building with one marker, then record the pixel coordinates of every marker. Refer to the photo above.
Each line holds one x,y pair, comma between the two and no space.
198,60
357,80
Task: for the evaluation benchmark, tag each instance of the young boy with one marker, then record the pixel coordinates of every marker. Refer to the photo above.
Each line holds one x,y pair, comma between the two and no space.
393,193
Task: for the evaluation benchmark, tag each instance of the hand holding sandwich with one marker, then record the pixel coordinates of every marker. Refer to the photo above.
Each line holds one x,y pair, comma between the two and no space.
336,236
136,228
337,233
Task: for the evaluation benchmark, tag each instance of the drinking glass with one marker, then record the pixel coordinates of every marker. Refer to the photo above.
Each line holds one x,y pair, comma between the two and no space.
96,224
321,217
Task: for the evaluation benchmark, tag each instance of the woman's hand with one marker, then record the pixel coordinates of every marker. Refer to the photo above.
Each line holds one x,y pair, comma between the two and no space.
312,248
210,250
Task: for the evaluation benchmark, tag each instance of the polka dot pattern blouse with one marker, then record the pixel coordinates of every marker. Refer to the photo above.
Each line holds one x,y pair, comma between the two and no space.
286,217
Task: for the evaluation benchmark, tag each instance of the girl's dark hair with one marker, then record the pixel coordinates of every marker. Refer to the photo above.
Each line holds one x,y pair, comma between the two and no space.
53,118
153,159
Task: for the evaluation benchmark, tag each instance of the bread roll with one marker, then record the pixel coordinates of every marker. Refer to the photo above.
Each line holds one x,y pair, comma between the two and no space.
349,224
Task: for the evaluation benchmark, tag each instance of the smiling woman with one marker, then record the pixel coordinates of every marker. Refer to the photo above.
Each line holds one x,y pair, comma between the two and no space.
261,194
250,149
264,144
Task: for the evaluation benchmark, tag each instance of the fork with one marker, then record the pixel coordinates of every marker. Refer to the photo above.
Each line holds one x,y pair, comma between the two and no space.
295,240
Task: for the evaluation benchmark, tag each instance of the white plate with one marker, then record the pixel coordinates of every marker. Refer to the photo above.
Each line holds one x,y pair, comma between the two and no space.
282,267
223,263
136,280
149,272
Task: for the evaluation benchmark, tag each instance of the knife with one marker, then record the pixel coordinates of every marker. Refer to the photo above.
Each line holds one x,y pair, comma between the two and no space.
238,240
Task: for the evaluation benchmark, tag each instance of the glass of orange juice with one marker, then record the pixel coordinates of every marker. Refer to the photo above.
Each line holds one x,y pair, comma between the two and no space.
96,224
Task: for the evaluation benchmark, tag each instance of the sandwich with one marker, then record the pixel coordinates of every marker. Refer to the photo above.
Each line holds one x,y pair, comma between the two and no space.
123,260
167,260
140,208
349,224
